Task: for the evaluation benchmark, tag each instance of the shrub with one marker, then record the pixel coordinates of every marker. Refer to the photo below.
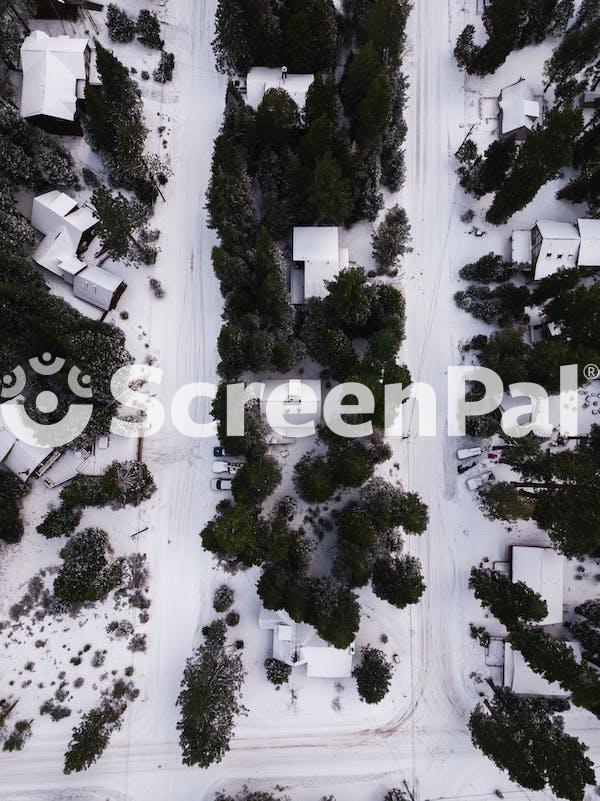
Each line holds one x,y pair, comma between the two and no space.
164,72
223,598
121,28
278,672
148,29
232,618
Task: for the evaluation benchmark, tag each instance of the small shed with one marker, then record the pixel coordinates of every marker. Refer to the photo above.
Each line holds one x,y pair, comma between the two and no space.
542,570
98,287
521,247
261,79
519,110
318,248
55,70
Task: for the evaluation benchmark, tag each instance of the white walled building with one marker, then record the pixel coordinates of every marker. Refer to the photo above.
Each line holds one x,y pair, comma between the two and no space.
68,229
553,245
319,250
523,680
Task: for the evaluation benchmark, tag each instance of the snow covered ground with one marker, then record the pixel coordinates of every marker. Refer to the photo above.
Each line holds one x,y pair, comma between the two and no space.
297,740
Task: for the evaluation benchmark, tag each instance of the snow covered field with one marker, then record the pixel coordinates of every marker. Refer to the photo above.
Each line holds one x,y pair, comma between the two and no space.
298,739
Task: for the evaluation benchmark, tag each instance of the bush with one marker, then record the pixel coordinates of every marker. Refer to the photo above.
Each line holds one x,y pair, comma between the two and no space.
121,28
90,738
12,492
373,676
86,574
19,736
223,598
314,479
60,521
232,618
390,241
277,672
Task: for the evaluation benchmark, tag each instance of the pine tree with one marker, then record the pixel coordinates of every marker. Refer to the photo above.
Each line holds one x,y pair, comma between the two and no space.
278,672
86,573
398,580
90,738
525,737
314,479
118,220
12,492
209,701
121,28
390,240
148,30
330,194
256,480
591,610
373,676
509,601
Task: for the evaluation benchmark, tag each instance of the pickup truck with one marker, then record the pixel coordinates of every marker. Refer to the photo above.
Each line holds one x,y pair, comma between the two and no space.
230,468
221,484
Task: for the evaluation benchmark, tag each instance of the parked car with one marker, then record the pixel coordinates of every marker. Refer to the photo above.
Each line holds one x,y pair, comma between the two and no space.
226,467
221,484
468,453
478,481
221,453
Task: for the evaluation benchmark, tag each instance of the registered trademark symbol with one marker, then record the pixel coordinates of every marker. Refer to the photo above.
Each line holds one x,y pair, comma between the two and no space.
591,371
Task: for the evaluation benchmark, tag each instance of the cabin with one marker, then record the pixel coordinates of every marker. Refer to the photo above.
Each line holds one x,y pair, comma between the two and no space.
519,110
68,230
292,408
21,458
551,246
542,570
261,79
298,644
55,75
318,250
523,680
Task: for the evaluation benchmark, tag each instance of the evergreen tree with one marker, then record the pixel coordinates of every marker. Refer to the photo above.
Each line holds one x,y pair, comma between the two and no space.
148,29
490,268
390,240
398,580
314,479
502,501
311,37
509,601
524,737
236,533
591,610
209,701
256,480
86,574
278,672
333,610
330,195
121,28
12,492
373,676
90,738
545,151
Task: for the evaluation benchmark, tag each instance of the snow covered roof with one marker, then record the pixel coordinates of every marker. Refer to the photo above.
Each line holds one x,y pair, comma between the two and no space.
316,243
58,216
52,66
260,79
552,229
299,644
518,106
20,457
589,248
525,681
318,247
521,247
542,570
7,440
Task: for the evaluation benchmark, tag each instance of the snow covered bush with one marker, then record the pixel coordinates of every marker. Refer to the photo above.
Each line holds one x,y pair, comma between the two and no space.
232,618
90,738
278,672
223,598
56,711
121,28
12,492
60,521
164,72
19,736
86,573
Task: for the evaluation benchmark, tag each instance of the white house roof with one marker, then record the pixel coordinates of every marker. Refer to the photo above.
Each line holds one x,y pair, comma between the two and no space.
52,65
101,278
519,107
58,216
559,247
316,244
299,644
260,79
55,250
297,401
542,570
553,229
21,459
589,248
